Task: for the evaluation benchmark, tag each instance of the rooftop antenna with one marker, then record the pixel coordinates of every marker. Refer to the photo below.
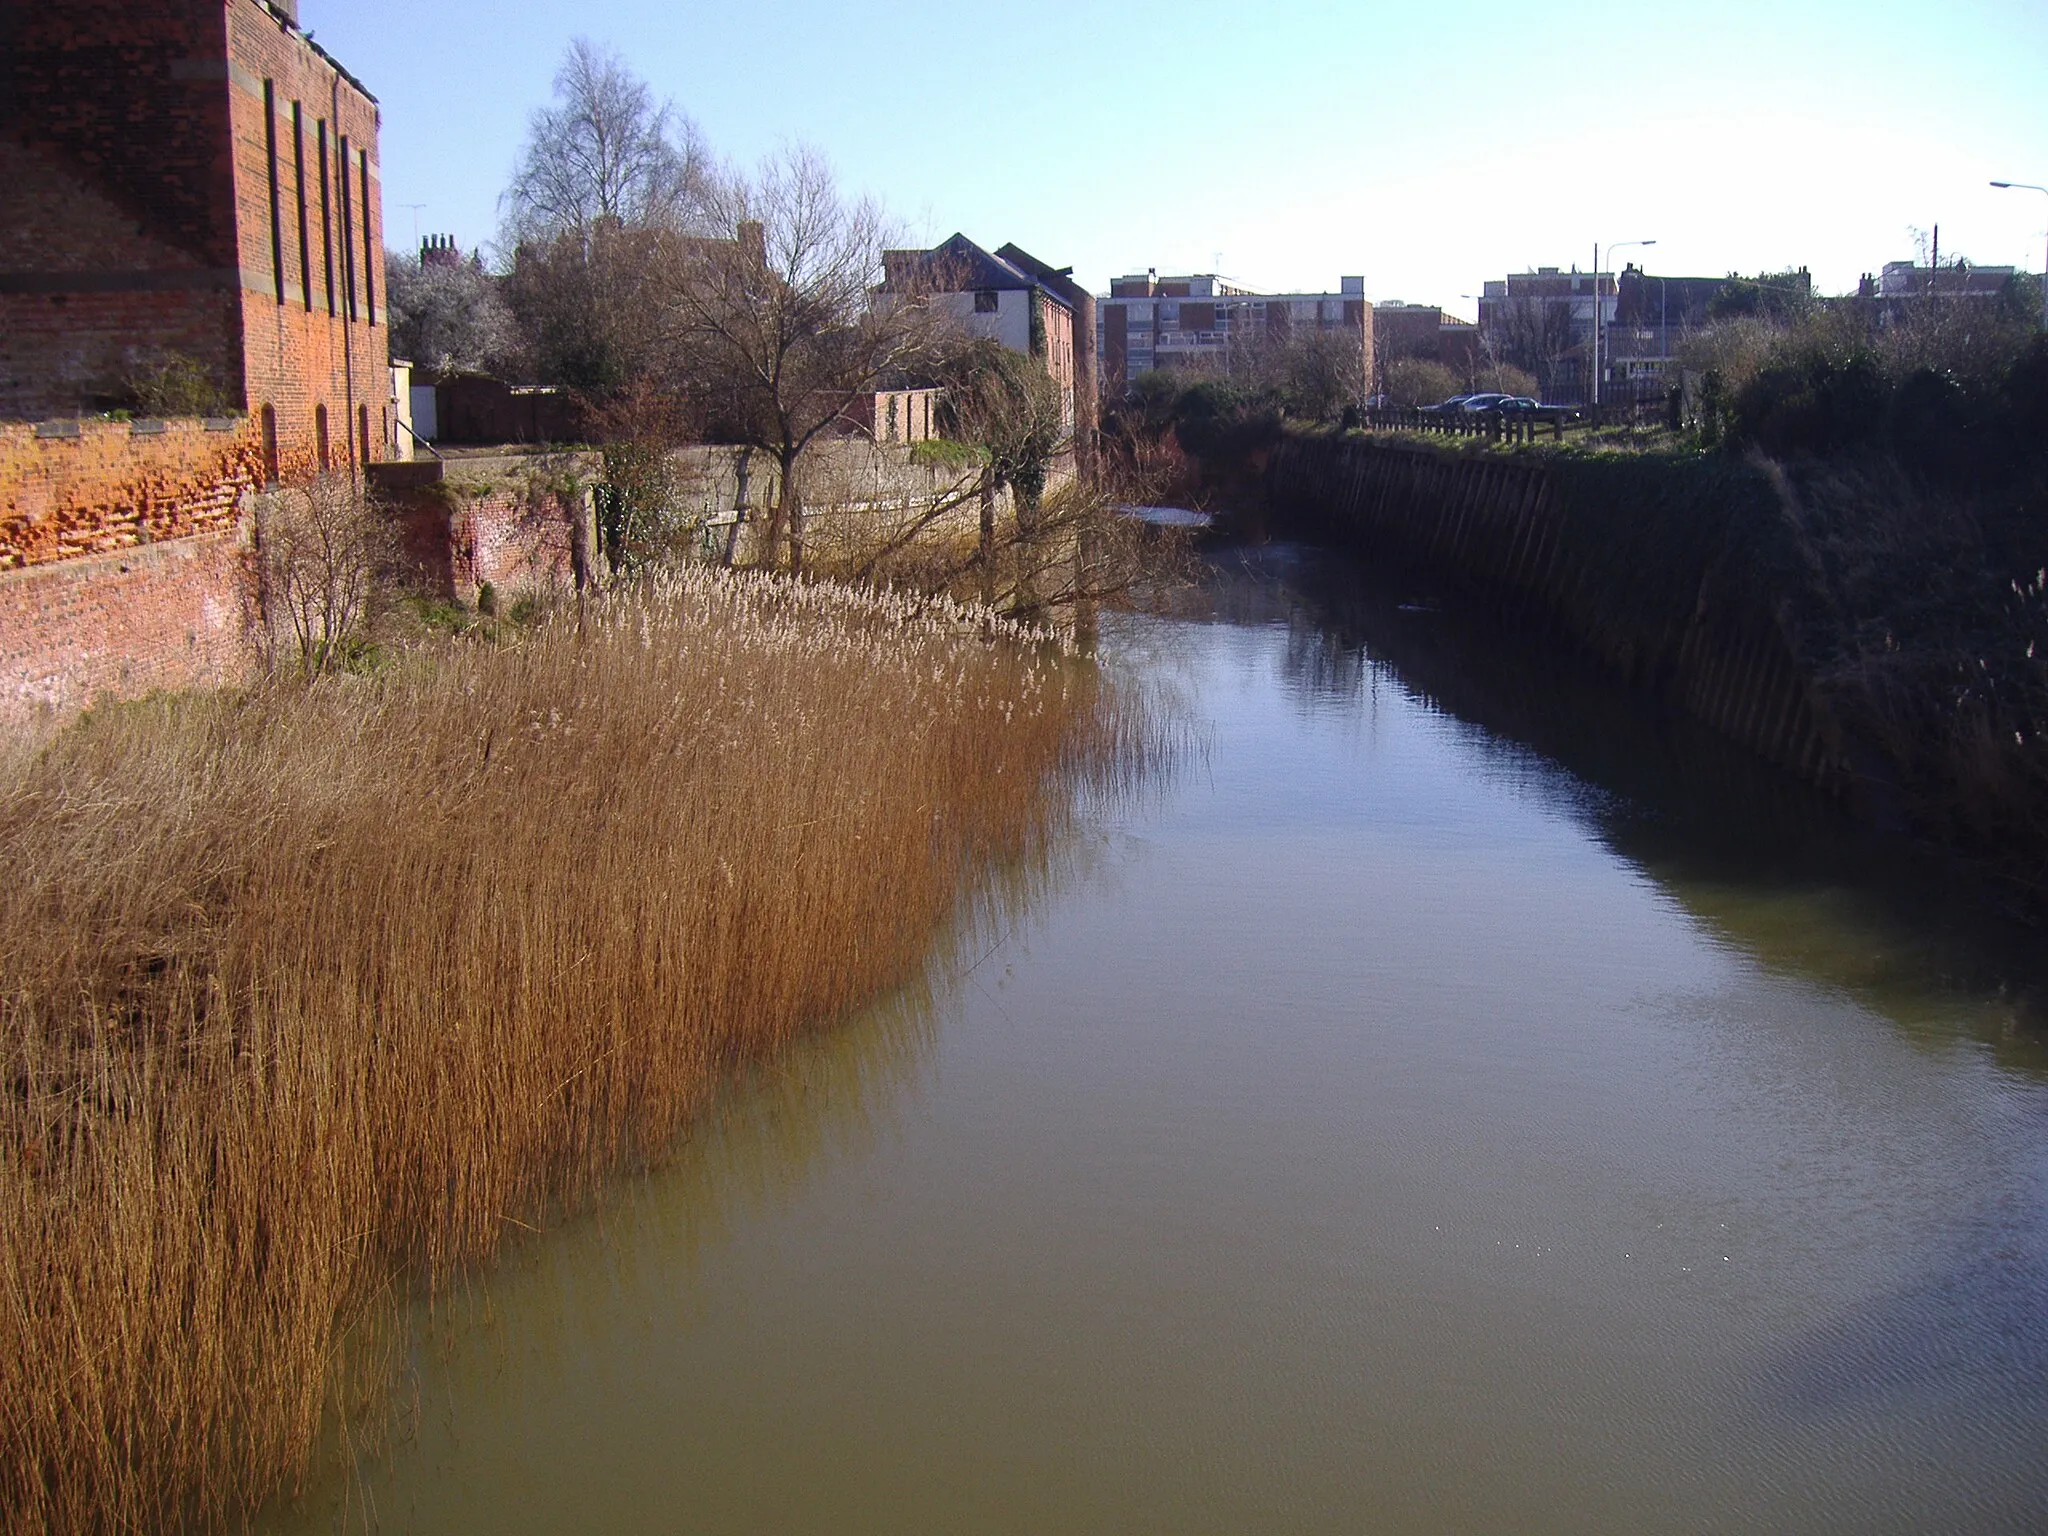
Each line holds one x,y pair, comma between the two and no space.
415,207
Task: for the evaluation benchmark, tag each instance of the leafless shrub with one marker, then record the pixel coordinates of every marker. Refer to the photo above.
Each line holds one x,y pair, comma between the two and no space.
324,547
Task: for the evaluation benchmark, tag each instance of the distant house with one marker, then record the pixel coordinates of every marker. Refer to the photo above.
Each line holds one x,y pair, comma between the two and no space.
1543,322
1908,280
1012,298
907,415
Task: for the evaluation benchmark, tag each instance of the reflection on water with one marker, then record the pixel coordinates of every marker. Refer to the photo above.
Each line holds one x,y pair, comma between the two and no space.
1774,865
1454,1103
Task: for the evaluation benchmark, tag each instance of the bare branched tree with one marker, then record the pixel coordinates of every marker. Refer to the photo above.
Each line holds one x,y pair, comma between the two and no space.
1532,334
607,151
607,174
772,328
325,546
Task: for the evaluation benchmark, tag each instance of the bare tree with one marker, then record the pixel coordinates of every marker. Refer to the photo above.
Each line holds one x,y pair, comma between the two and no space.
607,174
1532,334
447,318
773,329
324,546
607,151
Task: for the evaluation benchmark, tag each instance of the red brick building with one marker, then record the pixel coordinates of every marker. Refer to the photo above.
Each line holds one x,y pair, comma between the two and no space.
193,179
187,187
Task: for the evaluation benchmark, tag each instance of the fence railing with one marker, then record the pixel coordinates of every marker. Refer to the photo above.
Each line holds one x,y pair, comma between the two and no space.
1515,426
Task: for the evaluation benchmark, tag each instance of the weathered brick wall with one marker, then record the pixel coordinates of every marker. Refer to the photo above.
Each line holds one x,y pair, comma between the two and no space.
177,177
113,186
515,521
113,485
171,615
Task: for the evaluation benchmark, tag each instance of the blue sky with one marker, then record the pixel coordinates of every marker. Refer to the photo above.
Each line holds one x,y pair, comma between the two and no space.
1428,146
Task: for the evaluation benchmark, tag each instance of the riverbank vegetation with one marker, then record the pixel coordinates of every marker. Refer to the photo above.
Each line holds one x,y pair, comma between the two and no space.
312,994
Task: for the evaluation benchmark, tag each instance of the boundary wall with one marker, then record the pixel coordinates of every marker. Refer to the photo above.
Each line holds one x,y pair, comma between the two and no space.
1674,585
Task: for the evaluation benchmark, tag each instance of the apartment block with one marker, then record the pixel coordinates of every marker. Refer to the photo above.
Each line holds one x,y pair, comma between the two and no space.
1194,322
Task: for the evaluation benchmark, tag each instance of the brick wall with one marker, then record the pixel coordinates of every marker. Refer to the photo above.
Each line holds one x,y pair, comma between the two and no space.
314,328
512,520
156,616
110,485
190,177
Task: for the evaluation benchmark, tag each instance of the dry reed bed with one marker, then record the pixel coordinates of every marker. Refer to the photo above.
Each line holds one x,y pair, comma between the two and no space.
307,995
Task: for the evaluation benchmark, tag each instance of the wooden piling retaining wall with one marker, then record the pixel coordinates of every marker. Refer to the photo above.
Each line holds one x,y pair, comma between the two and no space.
1674,576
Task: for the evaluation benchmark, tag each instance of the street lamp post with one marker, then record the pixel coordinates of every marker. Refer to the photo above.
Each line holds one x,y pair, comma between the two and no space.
2028,186
1611,249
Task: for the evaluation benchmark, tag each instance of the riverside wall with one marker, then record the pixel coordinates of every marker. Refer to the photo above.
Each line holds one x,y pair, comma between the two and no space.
1674,577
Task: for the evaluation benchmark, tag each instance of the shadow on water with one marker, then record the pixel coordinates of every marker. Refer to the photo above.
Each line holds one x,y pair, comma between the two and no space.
1970,1329
1764,861
1770,866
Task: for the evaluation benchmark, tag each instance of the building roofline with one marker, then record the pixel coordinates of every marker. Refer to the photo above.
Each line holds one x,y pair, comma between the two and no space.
285,19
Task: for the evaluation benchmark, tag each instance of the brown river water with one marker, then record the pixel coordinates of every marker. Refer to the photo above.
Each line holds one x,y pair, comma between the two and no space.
1449,1101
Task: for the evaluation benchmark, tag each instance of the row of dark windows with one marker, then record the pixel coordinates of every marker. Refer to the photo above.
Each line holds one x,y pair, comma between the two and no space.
342,171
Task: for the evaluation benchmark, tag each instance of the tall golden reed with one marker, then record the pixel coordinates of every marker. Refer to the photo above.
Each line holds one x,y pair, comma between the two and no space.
309,994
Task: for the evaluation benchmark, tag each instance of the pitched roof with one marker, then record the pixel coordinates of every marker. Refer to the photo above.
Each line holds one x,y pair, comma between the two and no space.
1058,281
958,265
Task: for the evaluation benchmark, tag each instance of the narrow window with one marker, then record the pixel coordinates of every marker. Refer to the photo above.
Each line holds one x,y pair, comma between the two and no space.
320,434
369,250
269,447
276,209
363,432
299,181
326,217
348,238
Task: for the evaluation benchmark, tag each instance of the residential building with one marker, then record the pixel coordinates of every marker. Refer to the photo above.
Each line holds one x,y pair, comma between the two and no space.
1909,280
1193,322
1543,322
1010,297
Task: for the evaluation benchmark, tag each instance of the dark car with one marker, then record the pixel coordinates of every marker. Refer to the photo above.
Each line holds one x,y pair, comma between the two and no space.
1489,401
1456,402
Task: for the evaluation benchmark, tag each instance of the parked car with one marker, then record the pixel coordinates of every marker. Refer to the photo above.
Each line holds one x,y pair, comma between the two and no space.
1522,405
1456,402
1489,401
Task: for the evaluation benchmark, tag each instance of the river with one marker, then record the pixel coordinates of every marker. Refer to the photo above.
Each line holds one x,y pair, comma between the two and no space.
1446,1101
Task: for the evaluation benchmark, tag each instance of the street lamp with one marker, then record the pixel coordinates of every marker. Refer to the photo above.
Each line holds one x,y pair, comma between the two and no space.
1611,249
2028,186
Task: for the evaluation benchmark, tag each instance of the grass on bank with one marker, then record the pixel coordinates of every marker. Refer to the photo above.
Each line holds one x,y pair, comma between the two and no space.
308,995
